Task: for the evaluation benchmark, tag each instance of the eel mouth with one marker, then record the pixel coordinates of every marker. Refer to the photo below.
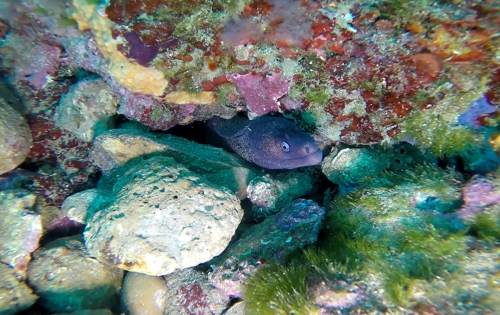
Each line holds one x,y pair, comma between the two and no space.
307,160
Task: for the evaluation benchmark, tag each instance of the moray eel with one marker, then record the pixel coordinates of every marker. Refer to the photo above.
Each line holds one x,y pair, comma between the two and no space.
270,142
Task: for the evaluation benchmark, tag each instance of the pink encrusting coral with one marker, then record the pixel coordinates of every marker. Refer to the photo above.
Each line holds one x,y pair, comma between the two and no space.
262,94
478,194
153,112
41,66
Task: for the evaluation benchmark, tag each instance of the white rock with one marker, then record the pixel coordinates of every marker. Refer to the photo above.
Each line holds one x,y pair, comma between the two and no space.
143,295
78,205
162,217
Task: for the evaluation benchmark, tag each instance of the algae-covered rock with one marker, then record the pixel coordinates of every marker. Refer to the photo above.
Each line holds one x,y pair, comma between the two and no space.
294,227
381,249
162,217
15,138
349,166
15,295
87,109
68,279
269,194
390,233
352,166
115,149
474,289
79,205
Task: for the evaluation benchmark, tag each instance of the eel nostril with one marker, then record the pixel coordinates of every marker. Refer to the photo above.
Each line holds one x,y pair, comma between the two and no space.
307,148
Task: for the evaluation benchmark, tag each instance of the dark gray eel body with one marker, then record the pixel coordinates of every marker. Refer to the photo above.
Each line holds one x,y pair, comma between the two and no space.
270,142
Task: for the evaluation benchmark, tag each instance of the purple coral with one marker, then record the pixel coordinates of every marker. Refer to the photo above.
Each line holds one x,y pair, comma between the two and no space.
477,109
261,93
144,54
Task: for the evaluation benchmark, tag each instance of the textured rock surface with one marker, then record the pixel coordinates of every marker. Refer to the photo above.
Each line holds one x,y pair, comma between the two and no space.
143,295
15,296
162,217
294,227
115,148
236,309
63,158
478,282
350,165
20,228
190,292
77,206
33,67
67,279
54,220
15,138
87,109
268,195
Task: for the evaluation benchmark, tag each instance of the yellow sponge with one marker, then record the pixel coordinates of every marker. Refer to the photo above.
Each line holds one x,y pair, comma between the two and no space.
137,78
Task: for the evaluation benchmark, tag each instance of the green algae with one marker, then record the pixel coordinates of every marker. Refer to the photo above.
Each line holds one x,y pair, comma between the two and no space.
187,84
318,96
426,251
222,92
415,249
279,290
67,21
94,2
323,264
486,225
408,10
315,83
227,64
233,7
397,285
432,133
160,112
41,10
347,237
377,230
199,27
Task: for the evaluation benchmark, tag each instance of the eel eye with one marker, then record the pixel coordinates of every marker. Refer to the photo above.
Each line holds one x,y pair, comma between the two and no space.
284,146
